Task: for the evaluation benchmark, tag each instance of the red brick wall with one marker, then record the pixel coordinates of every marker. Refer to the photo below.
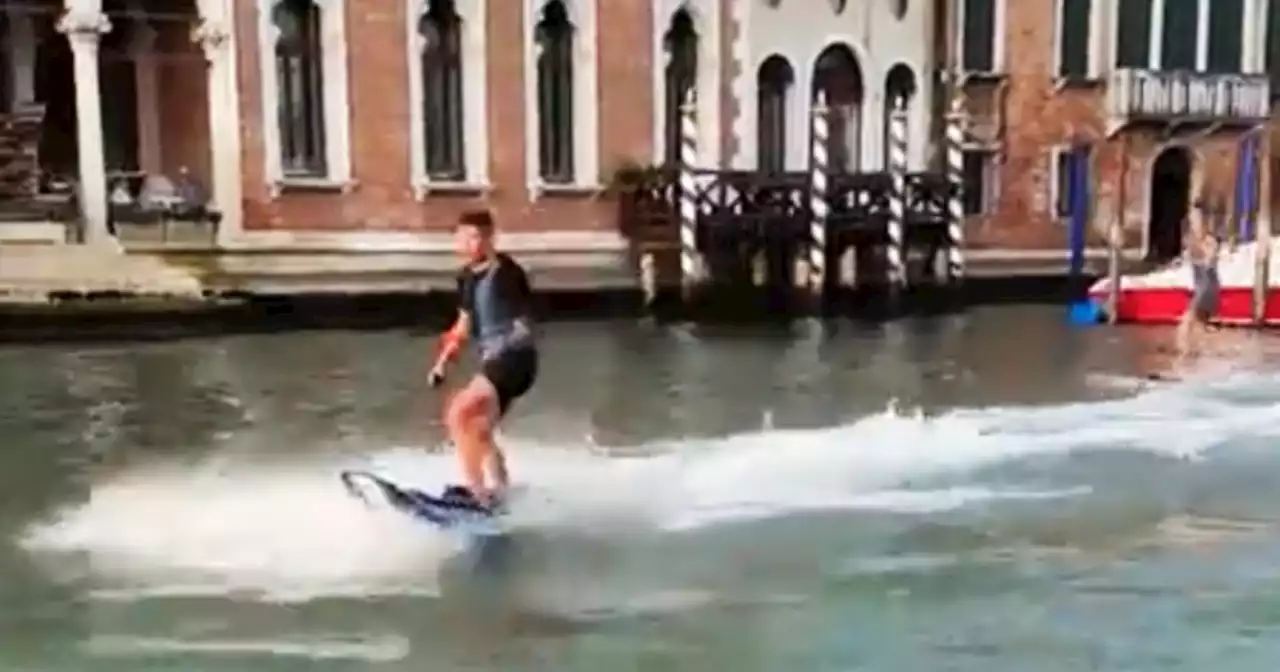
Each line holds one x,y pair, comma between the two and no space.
626,83
383,197
184,104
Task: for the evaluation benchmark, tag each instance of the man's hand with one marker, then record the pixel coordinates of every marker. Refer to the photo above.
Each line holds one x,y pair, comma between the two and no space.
450,343
436,377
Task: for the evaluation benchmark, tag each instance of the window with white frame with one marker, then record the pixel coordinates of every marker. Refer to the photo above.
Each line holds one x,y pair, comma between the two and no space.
680,44
1272,58
7,90
775,80
979,173
980,35
685,44
560,93
304,92
1075,40
555,94
1189,35
447,98
1133,33
1063,182
1225,51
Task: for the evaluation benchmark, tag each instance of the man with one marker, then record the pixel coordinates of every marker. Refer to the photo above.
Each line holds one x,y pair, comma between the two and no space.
1202,256
494,316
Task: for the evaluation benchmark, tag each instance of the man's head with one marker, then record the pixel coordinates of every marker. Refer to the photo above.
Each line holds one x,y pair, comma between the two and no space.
474,235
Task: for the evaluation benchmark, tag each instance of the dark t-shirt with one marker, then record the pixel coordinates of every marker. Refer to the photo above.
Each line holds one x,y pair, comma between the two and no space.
510,286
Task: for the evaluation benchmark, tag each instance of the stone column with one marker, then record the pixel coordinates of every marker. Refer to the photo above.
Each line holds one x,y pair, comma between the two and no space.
85,30
224,131
145,69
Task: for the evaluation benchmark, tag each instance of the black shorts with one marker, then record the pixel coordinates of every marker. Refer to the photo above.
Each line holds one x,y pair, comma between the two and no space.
511,373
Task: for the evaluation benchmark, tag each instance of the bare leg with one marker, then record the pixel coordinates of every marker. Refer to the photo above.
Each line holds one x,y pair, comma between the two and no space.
472,420
498,466
1199,332
486,423
487,447
483,455
1184,333
471,453
461,420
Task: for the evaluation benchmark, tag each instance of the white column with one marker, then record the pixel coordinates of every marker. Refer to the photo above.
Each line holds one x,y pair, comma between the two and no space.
1255,30
224,124
22,57
145,65
84,30
1202,36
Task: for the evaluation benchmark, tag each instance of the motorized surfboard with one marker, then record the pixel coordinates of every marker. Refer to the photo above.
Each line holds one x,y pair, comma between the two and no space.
452,509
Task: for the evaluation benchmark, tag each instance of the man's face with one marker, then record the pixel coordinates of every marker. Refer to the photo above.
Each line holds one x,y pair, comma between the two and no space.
472,243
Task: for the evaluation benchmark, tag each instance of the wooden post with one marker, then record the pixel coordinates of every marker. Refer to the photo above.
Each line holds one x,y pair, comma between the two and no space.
1116,236
649,278
1262,239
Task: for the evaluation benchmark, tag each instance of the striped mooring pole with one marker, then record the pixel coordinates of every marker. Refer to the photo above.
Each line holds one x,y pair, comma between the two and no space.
956,122
690,261
818,205
895,253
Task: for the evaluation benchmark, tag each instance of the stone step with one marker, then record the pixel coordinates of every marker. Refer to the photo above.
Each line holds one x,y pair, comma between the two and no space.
28,271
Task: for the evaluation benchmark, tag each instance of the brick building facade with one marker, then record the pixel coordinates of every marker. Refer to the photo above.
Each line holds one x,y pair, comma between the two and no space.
1164,93
378,121
531,106
426,136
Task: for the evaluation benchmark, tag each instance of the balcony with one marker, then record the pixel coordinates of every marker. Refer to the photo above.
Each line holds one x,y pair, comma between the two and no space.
1153,96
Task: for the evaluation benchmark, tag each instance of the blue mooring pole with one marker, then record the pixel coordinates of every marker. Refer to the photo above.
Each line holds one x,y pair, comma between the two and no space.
1246,186
1082,310
1077,198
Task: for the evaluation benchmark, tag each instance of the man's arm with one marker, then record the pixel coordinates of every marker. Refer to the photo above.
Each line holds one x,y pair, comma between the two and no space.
523,295
453,340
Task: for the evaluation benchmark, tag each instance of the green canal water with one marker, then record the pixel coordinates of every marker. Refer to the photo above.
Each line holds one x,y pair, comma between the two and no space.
993,492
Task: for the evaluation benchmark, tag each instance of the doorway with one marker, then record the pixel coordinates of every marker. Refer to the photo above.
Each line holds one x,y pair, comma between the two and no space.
1170,201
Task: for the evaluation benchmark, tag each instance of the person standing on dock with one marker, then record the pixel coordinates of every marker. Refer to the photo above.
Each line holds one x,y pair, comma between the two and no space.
1202,257
495,304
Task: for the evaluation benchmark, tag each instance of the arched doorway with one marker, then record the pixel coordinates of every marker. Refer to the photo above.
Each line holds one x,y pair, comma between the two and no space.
837,75
899,91
1170,201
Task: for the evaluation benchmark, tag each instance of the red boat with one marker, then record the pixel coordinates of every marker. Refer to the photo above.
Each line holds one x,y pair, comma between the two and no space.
1161,296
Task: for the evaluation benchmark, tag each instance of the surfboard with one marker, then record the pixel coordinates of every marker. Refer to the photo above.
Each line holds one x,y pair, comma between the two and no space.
452,509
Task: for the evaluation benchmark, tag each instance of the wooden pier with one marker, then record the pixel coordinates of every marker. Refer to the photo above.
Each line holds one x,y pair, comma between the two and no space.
811,240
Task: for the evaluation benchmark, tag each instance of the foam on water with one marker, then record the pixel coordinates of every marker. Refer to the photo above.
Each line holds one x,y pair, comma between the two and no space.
292,532
202,530
379,649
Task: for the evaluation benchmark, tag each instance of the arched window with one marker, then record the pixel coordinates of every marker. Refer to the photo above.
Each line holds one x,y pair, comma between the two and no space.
899,91
300,78
440,30
839,78
554,37
681,78
773,84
